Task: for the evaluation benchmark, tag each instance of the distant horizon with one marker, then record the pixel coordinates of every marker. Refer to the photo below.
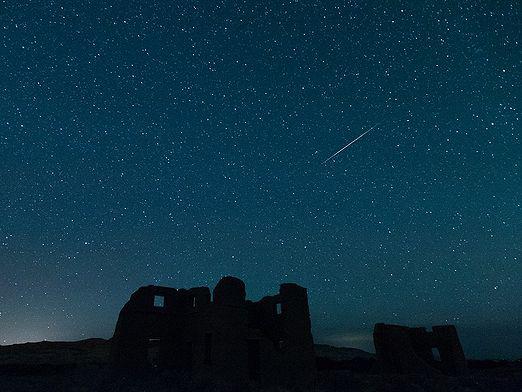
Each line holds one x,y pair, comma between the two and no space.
362,342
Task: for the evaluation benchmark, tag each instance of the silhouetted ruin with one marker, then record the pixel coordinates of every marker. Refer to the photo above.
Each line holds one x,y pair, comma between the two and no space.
408,350
226,338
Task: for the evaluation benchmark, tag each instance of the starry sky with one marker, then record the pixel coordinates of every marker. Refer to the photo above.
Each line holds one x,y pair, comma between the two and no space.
175,142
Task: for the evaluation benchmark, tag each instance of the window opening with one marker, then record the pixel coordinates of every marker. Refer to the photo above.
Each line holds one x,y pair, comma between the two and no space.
159,301
153,352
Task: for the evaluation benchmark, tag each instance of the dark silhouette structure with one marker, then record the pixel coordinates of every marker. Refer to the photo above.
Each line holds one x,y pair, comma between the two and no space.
225,338
408,350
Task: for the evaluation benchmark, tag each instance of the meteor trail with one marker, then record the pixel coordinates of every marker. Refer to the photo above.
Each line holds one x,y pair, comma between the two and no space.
349,144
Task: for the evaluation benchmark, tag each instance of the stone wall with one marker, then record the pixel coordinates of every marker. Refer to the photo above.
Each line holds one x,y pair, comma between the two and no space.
226,339
408,350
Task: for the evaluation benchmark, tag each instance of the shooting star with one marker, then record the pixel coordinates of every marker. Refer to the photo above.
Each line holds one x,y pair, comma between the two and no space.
349,144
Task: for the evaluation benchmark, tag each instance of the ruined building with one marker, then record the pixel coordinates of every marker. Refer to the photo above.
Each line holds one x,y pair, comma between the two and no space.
417,351
223,338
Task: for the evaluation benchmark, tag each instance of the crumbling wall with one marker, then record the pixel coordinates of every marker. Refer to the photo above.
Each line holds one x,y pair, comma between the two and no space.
224,339
452,356
219,335
150,326
281,325
297,345
408,350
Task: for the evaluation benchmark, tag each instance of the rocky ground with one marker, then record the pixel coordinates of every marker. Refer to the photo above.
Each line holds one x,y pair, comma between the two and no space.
83,366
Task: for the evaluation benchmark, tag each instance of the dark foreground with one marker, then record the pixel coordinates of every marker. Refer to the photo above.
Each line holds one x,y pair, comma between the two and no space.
83,366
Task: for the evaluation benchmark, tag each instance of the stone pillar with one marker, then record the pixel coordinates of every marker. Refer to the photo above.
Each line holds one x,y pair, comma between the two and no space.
297,345
451,352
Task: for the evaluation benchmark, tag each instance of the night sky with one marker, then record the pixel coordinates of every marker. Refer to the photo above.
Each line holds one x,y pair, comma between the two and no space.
175,142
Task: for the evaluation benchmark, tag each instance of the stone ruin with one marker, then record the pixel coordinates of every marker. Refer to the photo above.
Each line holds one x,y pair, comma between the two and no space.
225,338
408,350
